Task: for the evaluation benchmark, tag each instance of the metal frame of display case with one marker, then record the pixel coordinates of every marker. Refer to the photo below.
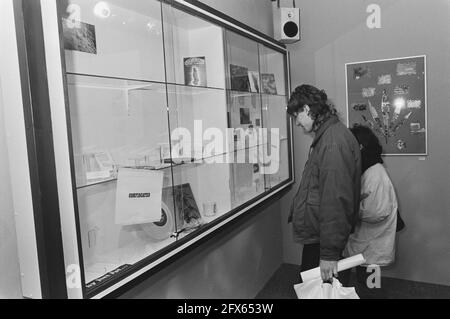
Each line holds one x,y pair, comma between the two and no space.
50,155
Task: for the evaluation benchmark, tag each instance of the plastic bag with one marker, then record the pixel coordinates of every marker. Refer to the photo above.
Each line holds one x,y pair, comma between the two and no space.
316,289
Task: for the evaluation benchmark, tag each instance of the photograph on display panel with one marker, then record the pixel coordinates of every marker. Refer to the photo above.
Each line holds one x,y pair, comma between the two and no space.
389,96
79,36
195,71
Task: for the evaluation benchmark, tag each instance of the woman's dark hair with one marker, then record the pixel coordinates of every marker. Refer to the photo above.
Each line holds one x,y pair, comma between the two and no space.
371,147
317,100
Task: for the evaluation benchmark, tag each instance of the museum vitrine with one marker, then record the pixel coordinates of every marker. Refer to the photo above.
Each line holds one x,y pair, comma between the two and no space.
176,125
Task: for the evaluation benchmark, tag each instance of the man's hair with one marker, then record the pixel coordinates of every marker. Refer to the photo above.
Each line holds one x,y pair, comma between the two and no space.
372,149
317,100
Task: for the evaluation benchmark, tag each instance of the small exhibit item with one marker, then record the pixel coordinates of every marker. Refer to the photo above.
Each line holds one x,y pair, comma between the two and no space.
401,145
244,116
97,175
401,90
79,36
186,206
195,71
138,196
239,78
368,92
385,79
97,166
162,229
416,129
268,84
360,72
407,68
414,104
209,209
254,81
104,161
359,106
164,153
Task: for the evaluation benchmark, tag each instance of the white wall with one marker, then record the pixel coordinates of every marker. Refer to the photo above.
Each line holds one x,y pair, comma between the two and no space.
255,13
9,261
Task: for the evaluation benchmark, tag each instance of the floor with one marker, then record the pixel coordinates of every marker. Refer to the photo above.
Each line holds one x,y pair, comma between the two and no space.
280,286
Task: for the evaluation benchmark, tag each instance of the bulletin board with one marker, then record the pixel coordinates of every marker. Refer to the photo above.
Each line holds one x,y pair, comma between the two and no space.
389,96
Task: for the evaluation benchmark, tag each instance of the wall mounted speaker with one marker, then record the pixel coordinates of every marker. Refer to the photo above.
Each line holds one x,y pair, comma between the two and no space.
287,25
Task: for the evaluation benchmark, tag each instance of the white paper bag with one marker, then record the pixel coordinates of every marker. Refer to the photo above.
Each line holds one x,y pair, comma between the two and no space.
316,289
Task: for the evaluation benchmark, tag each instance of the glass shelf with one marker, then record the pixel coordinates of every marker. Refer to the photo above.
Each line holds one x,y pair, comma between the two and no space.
107,82
280,95
82,182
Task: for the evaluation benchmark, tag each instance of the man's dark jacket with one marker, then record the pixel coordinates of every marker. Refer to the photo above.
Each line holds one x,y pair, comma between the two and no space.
326,205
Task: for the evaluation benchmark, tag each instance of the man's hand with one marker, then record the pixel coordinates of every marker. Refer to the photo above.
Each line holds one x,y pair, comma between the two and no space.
328,269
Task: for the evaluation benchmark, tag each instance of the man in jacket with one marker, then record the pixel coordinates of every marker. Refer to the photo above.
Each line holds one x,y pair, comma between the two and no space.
326,205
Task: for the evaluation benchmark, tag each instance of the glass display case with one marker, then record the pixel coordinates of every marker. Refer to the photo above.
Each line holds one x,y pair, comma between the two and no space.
176,125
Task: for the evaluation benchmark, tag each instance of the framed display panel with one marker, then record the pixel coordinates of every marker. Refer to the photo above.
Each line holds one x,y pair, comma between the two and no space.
147,130
390,97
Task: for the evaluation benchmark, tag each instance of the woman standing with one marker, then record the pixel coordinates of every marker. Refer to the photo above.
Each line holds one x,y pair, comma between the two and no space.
375,230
